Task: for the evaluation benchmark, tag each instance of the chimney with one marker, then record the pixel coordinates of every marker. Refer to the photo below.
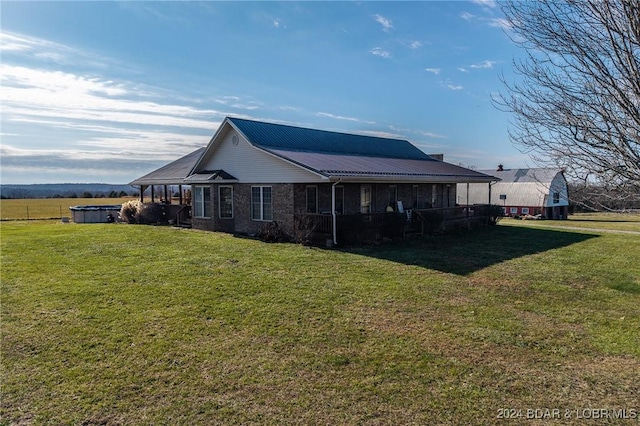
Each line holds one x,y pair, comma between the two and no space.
500,168
439,157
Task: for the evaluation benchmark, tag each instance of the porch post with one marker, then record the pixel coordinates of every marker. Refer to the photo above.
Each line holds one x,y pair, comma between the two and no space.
334,219
167,200
467,209
142,189
180,192
153,200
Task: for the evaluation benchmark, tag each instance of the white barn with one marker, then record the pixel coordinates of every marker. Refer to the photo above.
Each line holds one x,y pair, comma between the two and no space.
521,192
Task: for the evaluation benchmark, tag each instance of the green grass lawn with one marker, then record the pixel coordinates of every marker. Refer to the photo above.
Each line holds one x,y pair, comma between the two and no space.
607,221
130,324
48,208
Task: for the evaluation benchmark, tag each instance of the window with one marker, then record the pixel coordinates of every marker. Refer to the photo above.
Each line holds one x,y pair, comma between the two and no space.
514,210
261,208
365,199
393,196
556,197
434,195
525,210
340,199
201,200
312,199
226,202
414,197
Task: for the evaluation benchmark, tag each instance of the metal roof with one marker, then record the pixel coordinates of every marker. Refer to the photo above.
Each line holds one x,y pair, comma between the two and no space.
283,137
533,175
173,173
521,187
334,155
208,176
362,167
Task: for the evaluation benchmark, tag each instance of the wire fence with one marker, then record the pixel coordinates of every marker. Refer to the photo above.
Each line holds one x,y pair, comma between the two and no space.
47,208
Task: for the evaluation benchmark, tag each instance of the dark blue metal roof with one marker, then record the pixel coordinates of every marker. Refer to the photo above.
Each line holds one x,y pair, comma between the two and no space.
272,136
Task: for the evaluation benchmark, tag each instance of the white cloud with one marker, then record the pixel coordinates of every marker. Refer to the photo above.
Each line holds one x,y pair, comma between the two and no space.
378,51
387,24
415,44
462,69
449,85
435,71
380,134
432,135
467,16
340,117
483,65
53,94
486,3
499,23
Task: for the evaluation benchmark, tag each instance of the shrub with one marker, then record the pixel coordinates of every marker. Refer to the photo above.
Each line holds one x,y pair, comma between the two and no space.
494,214
270,232
303,229
129,211
150,213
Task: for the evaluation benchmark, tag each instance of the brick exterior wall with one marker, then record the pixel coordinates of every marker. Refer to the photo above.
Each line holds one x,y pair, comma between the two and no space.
282,202
289,199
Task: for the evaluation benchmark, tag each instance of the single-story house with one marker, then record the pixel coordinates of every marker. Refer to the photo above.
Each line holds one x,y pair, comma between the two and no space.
252,173
521,192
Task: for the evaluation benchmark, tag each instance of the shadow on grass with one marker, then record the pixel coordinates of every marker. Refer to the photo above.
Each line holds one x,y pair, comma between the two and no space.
463,253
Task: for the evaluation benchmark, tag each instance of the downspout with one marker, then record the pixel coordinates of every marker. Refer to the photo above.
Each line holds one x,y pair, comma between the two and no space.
334,218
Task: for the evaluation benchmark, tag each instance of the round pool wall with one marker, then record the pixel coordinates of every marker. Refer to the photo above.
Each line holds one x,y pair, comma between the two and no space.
95,214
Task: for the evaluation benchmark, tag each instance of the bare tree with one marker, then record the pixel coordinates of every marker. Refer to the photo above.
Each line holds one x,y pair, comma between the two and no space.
576,101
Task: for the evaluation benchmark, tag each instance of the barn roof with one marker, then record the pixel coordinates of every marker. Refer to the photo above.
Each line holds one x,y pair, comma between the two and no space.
532,175
521,187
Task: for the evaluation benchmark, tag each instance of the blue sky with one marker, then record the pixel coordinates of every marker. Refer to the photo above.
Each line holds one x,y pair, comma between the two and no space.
109,91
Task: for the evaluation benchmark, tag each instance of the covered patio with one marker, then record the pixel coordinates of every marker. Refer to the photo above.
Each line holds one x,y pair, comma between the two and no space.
161,183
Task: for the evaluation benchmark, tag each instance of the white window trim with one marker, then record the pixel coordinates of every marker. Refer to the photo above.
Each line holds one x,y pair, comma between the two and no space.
513,210
261,218
525,210
220,201
198,214
362,205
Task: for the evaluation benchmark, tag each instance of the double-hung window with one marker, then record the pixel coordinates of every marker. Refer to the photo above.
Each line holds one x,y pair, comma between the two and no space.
261,204
556,198
226,202
365,199
312,199
201,205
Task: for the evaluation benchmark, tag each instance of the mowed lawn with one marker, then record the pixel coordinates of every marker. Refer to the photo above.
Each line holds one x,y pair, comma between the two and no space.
131,324
48,208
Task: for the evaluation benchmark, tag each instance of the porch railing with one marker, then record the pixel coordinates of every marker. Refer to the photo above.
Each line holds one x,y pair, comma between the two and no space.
354,227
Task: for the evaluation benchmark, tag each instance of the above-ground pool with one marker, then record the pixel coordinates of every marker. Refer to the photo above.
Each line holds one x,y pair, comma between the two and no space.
96,214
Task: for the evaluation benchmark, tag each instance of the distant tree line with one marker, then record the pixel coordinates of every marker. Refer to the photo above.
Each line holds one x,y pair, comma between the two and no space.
589,198
22,193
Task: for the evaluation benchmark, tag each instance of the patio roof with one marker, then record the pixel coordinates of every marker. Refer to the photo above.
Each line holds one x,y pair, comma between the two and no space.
173,173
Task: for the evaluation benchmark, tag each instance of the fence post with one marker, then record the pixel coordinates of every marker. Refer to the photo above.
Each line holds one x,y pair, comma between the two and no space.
27,212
